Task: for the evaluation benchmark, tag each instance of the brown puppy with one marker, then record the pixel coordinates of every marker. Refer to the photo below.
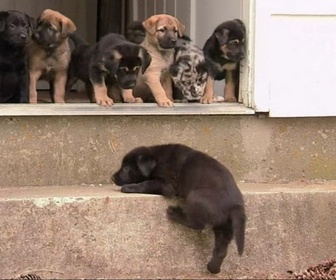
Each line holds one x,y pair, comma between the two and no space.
49,54
162,32
223,51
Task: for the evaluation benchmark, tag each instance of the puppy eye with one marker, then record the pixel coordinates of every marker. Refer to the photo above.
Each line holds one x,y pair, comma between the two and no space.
12,26
175,31
163,29
136,68
234,43
26,27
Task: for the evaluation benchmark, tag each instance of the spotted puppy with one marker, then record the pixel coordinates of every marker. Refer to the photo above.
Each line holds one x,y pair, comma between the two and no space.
189,72
223,51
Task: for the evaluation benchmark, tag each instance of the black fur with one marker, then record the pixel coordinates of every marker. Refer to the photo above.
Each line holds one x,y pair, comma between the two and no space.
223,51
135,32
222,35
107,60
79,65
129,52
15,29
206,187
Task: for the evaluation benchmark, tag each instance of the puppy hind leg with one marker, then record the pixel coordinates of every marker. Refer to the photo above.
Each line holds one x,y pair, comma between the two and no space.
181,216
223,237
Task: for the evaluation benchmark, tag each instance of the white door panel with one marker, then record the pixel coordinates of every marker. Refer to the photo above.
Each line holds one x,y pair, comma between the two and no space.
295,65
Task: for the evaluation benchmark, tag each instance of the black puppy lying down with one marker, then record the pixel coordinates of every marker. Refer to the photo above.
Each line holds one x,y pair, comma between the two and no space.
206,187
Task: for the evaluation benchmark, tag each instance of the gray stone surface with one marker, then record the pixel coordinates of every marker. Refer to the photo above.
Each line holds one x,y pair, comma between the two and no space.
98,232
71,150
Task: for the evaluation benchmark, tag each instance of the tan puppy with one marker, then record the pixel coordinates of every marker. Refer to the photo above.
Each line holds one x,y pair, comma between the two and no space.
162,32
49,54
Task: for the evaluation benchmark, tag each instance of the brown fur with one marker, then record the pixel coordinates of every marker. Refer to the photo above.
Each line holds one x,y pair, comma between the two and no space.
49,58
156,81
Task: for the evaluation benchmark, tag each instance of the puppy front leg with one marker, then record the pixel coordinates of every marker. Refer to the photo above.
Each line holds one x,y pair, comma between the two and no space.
229,89
33,77
208,92
99,87
59,87
153,81
149,187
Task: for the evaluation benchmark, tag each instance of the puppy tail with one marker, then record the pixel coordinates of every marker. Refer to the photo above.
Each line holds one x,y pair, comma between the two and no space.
78,40
238,218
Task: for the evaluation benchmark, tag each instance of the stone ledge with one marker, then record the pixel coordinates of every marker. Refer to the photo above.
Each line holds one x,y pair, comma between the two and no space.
98,232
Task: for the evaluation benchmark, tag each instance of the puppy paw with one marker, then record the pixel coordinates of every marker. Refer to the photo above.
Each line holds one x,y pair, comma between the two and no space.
129,188
230,99
166,103
133,100
104,101
206,100
213,268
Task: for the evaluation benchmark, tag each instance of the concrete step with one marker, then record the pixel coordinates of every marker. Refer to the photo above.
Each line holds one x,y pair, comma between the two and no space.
99,232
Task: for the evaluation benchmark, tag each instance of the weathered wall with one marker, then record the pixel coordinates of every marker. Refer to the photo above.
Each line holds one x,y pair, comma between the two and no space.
98,232
75,150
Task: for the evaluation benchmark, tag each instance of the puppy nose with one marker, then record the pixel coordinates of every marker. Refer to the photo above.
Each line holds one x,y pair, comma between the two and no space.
23,36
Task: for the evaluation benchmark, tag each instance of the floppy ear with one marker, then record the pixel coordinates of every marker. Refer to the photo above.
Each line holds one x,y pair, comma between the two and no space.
146,164
67,27
180,28
150,24
173,69
240,23
222,36
3,17
201,67
32,22
146,59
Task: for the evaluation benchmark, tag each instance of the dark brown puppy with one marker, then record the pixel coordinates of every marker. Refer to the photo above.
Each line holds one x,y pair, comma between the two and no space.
135,32
162,32
223,51
79,65
114,61
15,29
206,187
49,53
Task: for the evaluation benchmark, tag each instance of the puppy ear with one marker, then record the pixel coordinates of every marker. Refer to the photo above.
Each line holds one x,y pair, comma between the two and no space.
146,164
240,23
150,24
222,36
173,69
180,28
67,27
201,68
146,59
3,17
32,22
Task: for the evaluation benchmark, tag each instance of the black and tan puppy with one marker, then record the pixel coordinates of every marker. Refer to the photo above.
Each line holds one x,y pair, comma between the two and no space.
49,53
206,187
15,29
115,63
223,51
162,32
